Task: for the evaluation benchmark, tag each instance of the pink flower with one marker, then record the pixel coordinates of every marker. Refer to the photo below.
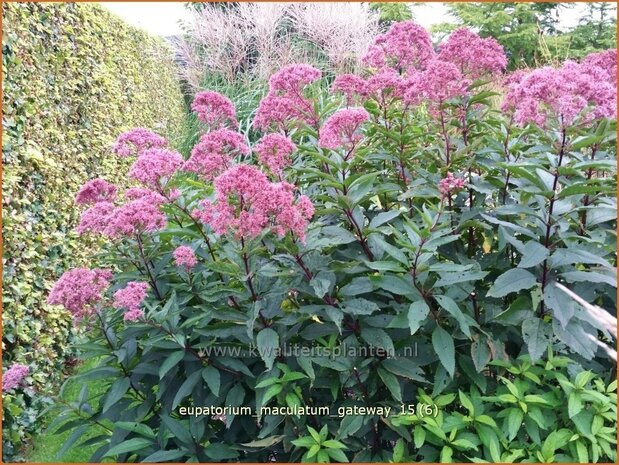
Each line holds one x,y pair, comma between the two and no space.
472,55
94,191
133,142
215,152
274,151
247,203
438,82
154,166
214,109
185,256
278,112
78,290
14,376
292,78
607,60
384,82
96,218
136,216
342,129
567,93
350,85
147,195
450,184
131,298
405,45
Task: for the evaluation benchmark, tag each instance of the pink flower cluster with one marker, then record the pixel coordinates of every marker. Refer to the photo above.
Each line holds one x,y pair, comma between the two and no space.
438,82
185,256
215,152
79,289
607,60
285,103
94,191
131,298
214,109
247,203
14,376
405,45
473,56
136,140
342,129
154,166
575,91
450,184
274,151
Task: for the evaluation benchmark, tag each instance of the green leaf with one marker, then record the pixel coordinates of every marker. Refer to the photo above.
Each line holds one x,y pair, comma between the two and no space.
135,427
398,451
513,280
117,391
446,454
480,354
443,345
419,436
513,422
417,313
451,278
185,389
533,254
452,308
306,441
164,456
337,455
404,367
173,359
574,404
383,218
131,445
212,378
376,337
333,444
392,384
384,266
268,344
536,334
267,442
466,403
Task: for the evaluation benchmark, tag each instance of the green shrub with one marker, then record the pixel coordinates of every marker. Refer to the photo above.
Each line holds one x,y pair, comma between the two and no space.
74,76
443,233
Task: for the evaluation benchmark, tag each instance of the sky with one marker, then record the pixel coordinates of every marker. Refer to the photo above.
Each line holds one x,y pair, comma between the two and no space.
164,18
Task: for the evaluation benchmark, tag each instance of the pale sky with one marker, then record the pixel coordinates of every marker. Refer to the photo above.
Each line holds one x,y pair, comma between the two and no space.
164,18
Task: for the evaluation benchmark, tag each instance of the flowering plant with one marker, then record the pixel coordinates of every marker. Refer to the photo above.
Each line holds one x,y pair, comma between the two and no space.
404,213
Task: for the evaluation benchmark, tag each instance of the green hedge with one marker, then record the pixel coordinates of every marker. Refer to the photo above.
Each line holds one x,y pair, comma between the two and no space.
74,77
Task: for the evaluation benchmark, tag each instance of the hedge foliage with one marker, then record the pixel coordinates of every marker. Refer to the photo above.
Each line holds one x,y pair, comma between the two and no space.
74,77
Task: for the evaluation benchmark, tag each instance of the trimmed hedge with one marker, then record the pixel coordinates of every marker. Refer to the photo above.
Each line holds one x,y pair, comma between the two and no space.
75,76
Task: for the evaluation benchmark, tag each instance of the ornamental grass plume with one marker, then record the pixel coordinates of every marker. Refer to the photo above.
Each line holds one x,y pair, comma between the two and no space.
343,129
247,204
473,56
185,256
130,298
79,290
215,152
405,46
214,109
137,140
274,152
155,166
95,191
14,376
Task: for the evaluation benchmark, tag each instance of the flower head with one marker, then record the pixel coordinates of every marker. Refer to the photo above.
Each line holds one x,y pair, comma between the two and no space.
450,184
215,152
350,85
405,45
78,290
247,203
438,82
96,218
135,141
292,78
472,55
274,151
278,112
14,376
155,165
573,91
185,256
607,60
214,109
342,128
94,191
131,298
140,215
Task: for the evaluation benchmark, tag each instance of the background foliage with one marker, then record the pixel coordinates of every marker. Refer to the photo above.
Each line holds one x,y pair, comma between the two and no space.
74,76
